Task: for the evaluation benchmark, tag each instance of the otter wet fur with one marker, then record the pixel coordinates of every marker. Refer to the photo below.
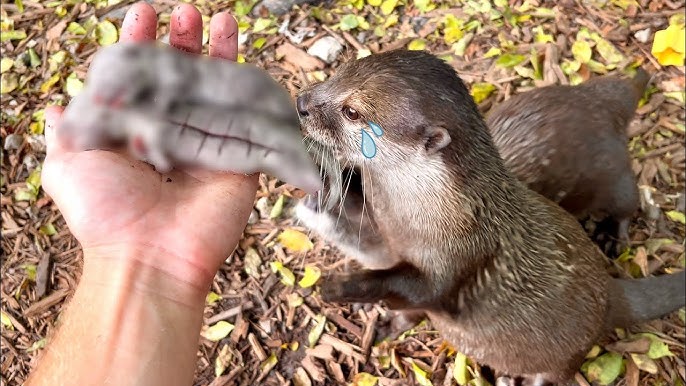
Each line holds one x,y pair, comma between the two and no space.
507,276
569,144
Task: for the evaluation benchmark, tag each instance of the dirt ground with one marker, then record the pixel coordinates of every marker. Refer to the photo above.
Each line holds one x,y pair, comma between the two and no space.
499,48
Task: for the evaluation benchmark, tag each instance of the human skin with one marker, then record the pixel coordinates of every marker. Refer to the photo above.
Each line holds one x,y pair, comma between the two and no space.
152,243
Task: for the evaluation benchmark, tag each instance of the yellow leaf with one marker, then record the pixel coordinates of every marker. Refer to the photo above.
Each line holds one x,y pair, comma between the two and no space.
294,300
295,241
541,36
287,276
607,50
6,321
277,208
677,216
37,345
310,277
481,91
461,370
252,262
391,21
363,53
222,361
388,6
493,51
8,83
212,298
668,46
269,363
643,362
374,3
106,33
261,24
317,330
581,51
417,45
6,64
73,85
218,331
259,42
364,379
420,375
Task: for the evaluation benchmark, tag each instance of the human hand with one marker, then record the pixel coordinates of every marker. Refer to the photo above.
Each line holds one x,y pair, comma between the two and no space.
184,223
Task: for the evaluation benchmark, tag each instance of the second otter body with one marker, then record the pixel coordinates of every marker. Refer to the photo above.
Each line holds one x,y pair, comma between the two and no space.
507,276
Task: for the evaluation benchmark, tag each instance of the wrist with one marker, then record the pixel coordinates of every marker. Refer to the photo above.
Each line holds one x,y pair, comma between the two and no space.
148,271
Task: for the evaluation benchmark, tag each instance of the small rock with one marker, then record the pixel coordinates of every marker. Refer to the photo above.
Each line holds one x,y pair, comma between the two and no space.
30,162
37,143
326,49
242,38
263,207
279,7
648,204
643,35
254,217
13,142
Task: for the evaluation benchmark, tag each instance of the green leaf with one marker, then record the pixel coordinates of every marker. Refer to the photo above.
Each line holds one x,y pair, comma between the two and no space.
493,51
605,369
510,60
212,298
277,208
679,96
37,345
31,271
218,331
73,86
349,22
677,216
259,42
424,5
481,91
6,321
106,33
76,28
461,372
34,59
310,276
287,276
608,51
364,379
420,375
261,24
541,36
658,348
582,51
20,5
460,47
19,34
8,82
417,45
243,8
6,64
48,229
317,330
388,6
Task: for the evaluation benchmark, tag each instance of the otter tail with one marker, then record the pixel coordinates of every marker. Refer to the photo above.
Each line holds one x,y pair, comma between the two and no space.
639,300
640,82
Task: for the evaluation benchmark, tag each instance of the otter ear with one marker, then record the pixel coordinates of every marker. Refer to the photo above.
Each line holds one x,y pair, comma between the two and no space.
435,138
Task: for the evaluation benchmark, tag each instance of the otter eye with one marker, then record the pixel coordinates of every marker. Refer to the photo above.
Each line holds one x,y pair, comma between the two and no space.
351,113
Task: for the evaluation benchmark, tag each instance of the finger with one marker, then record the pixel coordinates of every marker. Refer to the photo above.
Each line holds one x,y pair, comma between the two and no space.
186,29
140,24
53,114
224,36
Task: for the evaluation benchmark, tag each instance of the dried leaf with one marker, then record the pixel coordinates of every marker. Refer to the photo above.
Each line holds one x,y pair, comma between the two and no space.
644,363
287,276
269,363
604,369
420,375
294,300
310,276
364,379
668,46
252,262
222,361
37,345
106,33
317,330
218,331
212,298
73,85
295,241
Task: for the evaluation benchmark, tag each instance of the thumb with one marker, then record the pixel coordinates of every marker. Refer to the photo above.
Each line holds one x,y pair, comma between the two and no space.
53,117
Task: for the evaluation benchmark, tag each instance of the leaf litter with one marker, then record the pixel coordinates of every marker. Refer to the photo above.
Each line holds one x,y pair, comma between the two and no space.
274,326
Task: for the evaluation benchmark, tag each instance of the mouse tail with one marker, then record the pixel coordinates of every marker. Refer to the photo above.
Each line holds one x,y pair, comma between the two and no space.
633,301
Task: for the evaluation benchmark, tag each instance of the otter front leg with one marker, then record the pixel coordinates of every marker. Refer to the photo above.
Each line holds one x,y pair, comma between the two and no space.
402,287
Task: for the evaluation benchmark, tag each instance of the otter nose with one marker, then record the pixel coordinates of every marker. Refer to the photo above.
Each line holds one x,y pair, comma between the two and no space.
302,104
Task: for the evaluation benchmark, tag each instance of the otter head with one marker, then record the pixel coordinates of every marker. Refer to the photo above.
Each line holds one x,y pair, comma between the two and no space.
414,97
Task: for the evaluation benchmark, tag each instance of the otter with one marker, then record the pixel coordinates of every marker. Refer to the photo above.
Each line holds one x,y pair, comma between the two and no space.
507,276
572,152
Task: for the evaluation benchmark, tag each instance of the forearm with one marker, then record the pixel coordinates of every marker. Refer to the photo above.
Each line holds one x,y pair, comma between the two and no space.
127,324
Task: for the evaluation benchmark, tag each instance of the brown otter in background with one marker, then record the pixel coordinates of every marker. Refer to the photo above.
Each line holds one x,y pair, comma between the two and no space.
569,144
507,276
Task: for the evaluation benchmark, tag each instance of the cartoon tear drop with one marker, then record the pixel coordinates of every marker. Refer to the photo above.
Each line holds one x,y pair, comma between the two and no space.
376,129
368,145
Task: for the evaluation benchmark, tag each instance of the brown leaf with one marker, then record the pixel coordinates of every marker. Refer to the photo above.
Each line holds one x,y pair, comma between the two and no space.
299,58
641,259
56,31
43,275
639,346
